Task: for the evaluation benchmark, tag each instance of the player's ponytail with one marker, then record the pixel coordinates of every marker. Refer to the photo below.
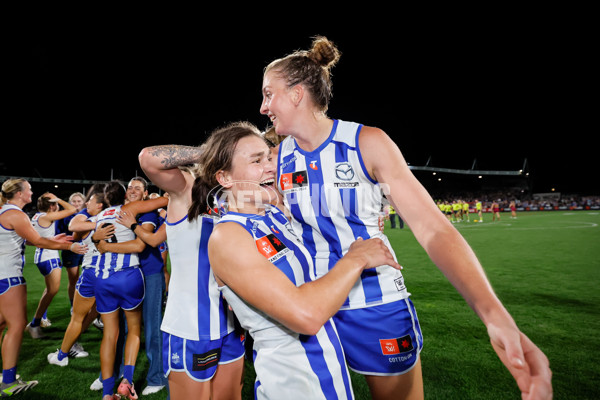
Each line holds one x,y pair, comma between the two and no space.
200,198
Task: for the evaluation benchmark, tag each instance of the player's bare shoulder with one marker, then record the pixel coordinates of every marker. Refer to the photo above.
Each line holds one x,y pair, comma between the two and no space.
377,149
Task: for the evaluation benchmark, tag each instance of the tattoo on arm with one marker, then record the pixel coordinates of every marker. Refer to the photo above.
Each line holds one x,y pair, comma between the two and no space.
172,155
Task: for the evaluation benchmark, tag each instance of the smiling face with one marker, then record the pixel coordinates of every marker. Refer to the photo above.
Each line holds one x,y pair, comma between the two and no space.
136,191
250,181
278,102
77,201
26,193
293,112
94,206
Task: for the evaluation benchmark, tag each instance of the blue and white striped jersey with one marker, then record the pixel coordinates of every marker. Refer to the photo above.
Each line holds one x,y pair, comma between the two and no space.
92,255
333,201
288,365
195,307
113,262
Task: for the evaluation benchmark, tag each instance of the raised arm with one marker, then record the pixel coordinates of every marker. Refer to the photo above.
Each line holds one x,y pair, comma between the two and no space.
68,210
161,165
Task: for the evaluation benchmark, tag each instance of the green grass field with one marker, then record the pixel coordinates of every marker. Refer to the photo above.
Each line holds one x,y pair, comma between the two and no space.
545,266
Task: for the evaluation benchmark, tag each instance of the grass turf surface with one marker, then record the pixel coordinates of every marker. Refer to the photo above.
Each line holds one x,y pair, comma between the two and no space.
544,266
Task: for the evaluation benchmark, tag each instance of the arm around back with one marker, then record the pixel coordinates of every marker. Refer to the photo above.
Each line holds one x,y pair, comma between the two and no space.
303,309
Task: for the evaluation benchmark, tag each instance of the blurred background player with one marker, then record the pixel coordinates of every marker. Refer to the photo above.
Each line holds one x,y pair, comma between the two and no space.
48,261
84,301
479,209
15,231
71,261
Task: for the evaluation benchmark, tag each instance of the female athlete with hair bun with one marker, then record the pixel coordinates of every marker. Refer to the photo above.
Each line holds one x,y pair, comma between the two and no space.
331,173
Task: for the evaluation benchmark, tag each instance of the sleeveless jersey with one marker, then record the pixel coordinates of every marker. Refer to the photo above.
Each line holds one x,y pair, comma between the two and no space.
108,262
195,308
333,201
288,365
91,257
46,232
12,249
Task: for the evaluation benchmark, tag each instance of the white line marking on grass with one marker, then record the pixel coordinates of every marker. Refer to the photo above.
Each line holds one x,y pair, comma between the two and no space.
509,227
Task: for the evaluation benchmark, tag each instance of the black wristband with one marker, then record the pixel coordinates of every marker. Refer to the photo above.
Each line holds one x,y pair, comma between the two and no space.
133,226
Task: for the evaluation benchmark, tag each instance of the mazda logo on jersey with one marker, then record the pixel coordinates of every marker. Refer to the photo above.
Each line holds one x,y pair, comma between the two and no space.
344,171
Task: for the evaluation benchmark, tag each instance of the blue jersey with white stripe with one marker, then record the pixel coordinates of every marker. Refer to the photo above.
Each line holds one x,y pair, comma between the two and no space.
195,308
288,365
333,201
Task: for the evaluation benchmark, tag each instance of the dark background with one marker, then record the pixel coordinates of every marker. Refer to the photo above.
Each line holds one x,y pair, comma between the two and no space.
502,92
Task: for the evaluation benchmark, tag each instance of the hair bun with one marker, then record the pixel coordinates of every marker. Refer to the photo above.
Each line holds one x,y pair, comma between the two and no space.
324,52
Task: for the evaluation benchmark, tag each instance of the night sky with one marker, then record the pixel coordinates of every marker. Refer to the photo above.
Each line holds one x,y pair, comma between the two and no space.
82,105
